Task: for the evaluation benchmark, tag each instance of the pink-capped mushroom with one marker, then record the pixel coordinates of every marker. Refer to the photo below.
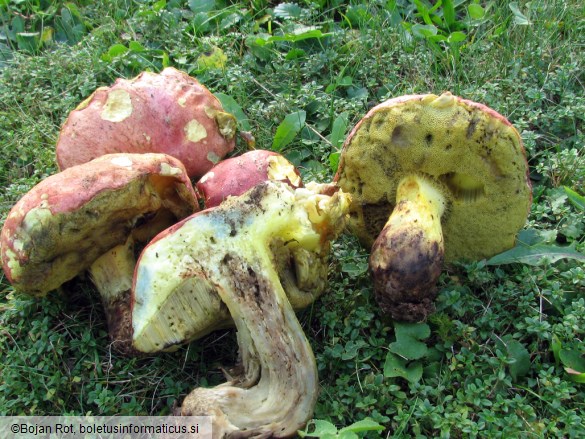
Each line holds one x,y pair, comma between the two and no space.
88,217
169,113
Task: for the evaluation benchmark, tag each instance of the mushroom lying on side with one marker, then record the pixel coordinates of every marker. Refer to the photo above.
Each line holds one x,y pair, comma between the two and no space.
69,220
169,113
198,309
433,178
230,249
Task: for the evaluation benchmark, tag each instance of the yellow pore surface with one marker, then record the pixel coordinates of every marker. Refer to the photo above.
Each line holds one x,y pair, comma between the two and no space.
472,154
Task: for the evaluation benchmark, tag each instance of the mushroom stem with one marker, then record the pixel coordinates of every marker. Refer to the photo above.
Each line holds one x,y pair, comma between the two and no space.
278,386
112,275
407,257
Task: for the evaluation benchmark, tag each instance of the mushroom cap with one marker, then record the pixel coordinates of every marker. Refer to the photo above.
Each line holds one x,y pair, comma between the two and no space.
473,154
169,113
63,224
234,176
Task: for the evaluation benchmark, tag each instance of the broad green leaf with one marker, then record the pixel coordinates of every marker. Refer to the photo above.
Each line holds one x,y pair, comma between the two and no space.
201,5
28,41
298,35
449,12
537,254
135,46
288,129
519,18
334,160
74,10
574,364
475,11
529,237
347,435
338,129
423,11
256,45
519,356
288,10
352,349
363,425
577,200
354,268
159,5
230,105
117,50
357,93
322,428
398,367
17,25
345,81
424,30
200,23
229,21
456,37
408,342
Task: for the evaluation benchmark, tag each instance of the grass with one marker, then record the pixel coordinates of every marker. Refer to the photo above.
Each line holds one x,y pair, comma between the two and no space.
497,359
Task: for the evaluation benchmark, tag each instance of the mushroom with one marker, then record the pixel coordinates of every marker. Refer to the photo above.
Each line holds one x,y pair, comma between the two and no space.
73,218
230,249
236,175
169,113
303,273
434,179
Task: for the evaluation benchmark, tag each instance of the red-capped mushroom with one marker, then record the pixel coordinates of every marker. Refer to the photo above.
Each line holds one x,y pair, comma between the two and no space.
236,175
169,113
73,218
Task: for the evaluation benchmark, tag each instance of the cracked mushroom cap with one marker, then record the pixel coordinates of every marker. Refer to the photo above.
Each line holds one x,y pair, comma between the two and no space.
64,223
169,113
234,176
468,149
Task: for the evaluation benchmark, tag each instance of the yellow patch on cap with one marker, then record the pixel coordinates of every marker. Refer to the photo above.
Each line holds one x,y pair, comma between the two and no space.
195,131
167,170
118,107
124,162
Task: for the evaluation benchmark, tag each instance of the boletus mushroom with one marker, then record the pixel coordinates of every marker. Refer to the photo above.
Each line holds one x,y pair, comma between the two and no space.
169,113
72,219
230,249
434,179
236,175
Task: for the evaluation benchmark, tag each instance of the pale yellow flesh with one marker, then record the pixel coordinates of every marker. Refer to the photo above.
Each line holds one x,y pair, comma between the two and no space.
230,247
421,205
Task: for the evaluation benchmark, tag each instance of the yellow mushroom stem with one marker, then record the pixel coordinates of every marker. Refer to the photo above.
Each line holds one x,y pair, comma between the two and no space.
407,257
